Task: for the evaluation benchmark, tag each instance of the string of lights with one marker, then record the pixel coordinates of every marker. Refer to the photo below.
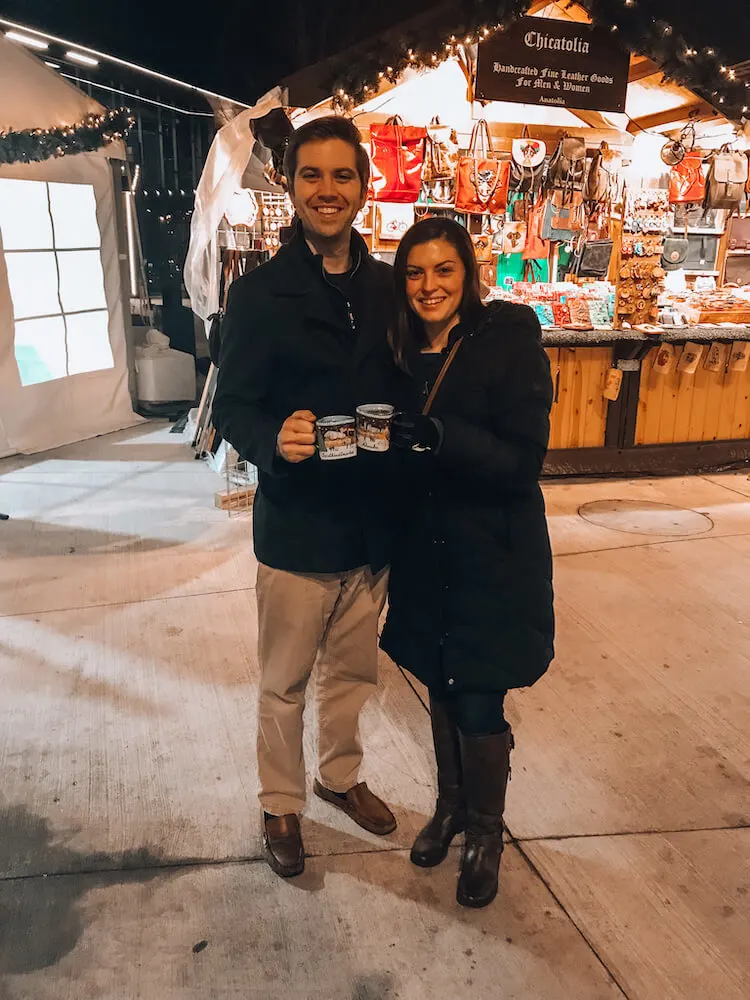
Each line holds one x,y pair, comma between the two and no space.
359,77
86,136
138,97
355,80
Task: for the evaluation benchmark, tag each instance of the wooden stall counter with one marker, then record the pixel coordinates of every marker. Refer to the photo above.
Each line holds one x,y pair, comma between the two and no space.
679,410
677,406
579,411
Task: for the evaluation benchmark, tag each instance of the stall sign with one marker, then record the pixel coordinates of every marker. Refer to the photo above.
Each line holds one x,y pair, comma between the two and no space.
554,63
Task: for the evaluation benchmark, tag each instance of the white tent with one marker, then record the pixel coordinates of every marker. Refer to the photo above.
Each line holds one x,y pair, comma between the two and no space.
63,305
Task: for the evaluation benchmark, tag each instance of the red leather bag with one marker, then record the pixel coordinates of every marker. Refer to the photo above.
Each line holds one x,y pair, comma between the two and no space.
687,182
482,181
397,154
536,248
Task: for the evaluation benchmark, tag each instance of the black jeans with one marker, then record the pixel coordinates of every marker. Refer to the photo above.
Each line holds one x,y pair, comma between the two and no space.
475,714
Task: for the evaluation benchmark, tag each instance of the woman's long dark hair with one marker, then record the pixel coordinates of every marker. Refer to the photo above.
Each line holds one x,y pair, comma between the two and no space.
406,334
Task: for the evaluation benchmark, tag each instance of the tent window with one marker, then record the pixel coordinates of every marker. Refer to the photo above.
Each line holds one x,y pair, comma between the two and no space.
52,249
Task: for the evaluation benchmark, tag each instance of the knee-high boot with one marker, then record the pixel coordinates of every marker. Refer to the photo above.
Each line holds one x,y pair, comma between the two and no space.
485,761
431,846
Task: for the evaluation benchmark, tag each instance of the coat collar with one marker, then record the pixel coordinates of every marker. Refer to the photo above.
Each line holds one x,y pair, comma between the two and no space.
298,270
466,329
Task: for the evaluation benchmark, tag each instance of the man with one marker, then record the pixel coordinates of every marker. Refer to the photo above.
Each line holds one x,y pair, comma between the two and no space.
305,337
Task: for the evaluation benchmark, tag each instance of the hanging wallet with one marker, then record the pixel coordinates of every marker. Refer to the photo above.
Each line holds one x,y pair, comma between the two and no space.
675,252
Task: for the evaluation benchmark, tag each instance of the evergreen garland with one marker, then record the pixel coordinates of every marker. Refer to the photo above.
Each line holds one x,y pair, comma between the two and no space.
359,77
700,70
38,144
354,80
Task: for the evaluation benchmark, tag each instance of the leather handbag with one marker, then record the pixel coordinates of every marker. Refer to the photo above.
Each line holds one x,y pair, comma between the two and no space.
214,336
563,217
739,234
440,165
687,182
737,270
233,267
482,181
535,248
528,164
397,155
518,209
567,165
675,252
482,247
727,179
514,237
604,180
593,259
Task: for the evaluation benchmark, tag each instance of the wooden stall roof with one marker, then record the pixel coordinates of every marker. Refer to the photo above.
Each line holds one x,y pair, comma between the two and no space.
653,103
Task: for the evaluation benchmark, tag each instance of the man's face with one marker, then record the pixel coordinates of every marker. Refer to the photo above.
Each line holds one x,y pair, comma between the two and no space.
328,191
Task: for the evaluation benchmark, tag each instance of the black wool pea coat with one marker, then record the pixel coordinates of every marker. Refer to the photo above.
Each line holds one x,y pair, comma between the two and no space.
470,600
290,341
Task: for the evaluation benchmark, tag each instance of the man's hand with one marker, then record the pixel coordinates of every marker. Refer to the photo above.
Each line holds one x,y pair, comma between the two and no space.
296,439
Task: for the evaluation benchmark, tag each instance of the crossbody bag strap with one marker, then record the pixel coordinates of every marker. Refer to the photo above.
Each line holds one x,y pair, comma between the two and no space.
441,376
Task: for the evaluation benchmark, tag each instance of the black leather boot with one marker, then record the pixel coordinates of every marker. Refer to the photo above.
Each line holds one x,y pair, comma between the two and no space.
431,846
486,769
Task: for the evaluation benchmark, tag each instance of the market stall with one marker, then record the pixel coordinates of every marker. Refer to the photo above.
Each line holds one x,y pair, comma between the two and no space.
603,195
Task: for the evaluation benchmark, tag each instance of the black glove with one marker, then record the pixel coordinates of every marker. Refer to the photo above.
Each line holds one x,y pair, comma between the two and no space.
416,431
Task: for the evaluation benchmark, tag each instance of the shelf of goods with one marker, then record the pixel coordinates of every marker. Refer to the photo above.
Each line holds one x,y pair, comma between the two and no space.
619,228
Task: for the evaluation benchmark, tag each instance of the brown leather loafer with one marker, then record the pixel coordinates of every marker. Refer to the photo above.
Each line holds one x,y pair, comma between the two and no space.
361,805
282,840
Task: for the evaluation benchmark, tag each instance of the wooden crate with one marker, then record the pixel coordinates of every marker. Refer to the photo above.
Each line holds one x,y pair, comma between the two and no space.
235,499
677,408
579,413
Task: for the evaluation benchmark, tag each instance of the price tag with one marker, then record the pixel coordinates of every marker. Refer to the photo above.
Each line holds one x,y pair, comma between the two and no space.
612,384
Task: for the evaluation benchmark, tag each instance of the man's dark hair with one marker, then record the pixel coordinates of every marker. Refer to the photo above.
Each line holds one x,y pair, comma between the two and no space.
320,129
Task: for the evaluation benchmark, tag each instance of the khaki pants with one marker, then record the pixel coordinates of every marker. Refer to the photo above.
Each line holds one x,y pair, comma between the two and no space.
331,618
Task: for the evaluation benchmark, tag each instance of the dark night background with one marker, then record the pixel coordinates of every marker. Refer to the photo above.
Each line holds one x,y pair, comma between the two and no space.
242,49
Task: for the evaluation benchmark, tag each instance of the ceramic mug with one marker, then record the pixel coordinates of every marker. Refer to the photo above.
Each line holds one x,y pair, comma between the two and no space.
336,437
374,426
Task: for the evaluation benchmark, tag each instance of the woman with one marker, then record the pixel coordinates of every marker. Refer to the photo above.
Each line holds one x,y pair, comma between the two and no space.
470,600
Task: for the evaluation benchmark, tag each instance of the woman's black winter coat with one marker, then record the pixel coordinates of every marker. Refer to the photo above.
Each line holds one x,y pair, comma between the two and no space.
470,600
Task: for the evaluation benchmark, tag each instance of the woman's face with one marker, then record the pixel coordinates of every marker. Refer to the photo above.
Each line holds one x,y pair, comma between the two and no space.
435,279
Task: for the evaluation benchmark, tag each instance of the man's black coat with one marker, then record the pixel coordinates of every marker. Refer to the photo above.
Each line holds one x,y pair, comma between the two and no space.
291,340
